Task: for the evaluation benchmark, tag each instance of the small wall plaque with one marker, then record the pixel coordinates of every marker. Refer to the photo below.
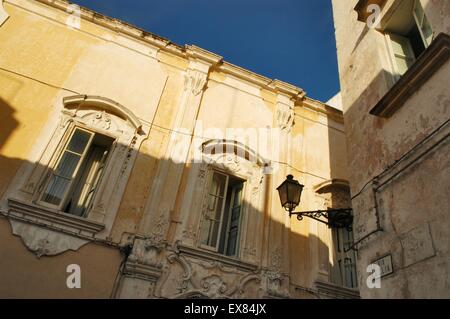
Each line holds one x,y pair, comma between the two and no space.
385,264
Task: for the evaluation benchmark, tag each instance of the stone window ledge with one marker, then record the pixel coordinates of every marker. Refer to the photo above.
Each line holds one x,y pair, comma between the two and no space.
425,66
215,257
38,215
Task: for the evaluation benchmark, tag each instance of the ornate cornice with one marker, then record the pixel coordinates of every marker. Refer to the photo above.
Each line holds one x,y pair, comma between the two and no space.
323,108
193,51
52,219
290,90
190,52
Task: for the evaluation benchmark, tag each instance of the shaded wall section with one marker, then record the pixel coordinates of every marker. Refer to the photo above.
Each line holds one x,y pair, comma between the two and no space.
25,276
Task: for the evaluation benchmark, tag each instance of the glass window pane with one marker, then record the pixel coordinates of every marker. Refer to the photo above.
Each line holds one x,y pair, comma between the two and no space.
418,11
403,64
427,31
211,224
67,165
55,190
79,141
85,186
400,46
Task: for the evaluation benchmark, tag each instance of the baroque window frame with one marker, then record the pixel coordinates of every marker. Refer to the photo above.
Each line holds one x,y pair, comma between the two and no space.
248,166
220,170
25,210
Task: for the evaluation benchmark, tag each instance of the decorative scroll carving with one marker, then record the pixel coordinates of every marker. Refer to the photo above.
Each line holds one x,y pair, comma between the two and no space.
285,116
239,291
190,233
213,286
195,81
101,120
275,261
198,277
275,277
217,266
156,237
131,149
44,242
202,173
183,281
146,252
104,104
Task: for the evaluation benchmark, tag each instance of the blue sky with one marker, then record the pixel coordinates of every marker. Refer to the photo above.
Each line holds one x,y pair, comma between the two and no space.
290,40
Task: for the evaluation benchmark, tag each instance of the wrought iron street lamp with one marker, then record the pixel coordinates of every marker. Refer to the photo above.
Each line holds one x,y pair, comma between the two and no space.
290,192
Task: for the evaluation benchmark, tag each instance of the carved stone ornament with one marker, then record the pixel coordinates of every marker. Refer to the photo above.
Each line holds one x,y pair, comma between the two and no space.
194,81
156,236
213,286
185,275
285,116
146,252
44,242
275,277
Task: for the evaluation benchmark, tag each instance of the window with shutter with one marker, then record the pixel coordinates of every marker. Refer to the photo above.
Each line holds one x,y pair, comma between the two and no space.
72,183
220,227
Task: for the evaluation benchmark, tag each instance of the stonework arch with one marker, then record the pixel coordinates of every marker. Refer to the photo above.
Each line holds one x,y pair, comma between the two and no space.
108,105
333,193
217,147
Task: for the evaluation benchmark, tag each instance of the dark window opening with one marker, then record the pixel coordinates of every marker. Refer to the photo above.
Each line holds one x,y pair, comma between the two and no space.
416,41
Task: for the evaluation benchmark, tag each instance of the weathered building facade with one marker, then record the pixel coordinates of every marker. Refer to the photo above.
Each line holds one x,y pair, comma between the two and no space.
394,71
111,159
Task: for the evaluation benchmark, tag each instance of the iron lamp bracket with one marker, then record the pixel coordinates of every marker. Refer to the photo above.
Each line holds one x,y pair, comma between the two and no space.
335,218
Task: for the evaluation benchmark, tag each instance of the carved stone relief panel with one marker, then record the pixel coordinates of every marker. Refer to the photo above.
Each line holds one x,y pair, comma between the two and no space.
186,275
44,242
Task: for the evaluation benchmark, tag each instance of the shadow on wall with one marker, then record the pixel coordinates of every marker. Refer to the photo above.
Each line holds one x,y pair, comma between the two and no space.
45,277
8,124
377,145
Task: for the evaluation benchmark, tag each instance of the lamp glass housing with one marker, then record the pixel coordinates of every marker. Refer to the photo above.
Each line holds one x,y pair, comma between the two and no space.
290,192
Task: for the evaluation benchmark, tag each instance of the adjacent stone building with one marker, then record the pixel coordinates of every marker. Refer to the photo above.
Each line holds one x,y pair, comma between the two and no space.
394,71
116,156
